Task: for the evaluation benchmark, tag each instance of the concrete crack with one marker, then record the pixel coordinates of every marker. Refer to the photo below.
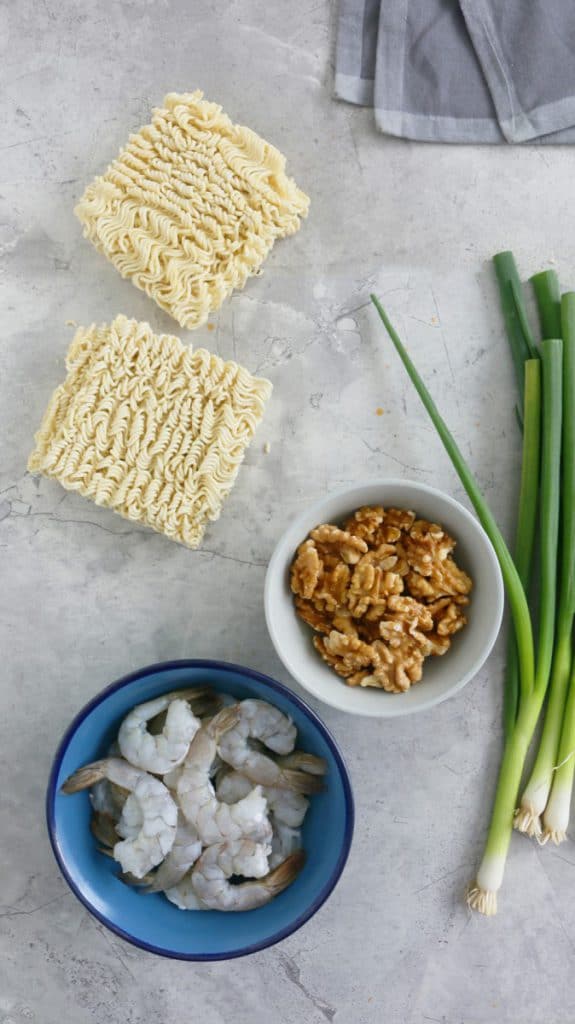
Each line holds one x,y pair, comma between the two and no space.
293,974
405,465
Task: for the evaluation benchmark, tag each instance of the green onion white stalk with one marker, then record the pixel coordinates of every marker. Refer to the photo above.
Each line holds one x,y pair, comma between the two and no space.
556,814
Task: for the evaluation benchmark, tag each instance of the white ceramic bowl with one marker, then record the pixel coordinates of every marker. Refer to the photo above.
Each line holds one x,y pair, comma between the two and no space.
442,676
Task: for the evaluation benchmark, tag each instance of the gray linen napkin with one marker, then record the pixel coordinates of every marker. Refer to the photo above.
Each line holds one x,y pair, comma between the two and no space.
461,70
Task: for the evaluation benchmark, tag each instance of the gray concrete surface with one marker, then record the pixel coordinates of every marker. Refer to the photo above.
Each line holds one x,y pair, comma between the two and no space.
85,597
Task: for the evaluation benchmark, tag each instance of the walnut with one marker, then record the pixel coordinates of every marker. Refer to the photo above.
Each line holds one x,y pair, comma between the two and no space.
413,615
318,620
452,579
436,644
332,587
346,654
445,579
399,518
395,668
306,569
343,622
364,522
365,588
382,594
349,547
425,545
448,615
391,584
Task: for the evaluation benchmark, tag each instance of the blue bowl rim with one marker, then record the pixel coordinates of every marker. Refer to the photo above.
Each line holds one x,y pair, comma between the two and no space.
225,666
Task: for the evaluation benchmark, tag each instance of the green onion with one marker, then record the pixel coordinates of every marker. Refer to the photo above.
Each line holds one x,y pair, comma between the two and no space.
552,356
514,313
558,737
526,522
532,686
548,296
528,371
483,896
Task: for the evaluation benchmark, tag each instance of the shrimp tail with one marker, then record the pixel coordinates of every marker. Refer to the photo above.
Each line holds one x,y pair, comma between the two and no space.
207,706
304,762
103,829
225,720
285,873
105,851
145,884
300,782
84,778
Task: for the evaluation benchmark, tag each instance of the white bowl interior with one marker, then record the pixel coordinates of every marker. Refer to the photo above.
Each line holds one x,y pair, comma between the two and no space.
443,676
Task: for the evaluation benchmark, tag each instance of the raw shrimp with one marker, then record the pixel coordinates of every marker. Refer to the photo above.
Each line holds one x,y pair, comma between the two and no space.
148,798
259,720
211,874
214,820
285,841
287,806
171,778
160,754
184,895
183,855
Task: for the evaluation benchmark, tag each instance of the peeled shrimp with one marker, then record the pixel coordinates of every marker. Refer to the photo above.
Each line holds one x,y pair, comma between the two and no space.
217,821
184,895
149,808
183,855
287,806
259,720
160,754
244,857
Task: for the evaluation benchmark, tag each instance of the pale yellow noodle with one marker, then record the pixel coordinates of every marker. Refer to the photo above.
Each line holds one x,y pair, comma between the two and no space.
191,207
149,427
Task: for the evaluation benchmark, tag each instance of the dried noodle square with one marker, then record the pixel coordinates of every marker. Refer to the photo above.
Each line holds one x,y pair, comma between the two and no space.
149,427
191,207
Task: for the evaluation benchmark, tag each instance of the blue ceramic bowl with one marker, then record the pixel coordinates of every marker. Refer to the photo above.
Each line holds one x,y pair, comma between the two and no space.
150,921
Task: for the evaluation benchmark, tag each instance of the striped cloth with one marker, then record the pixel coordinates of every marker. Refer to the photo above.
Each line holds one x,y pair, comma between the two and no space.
461,70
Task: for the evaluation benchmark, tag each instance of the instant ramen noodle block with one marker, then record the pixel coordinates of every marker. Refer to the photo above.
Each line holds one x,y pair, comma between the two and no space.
191,207
148,427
